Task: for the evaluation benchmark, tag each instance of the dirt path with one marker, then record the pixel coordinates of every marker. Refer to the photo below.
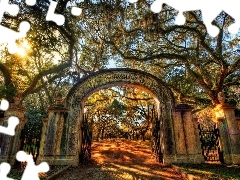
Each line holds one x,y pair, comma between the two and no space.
121,160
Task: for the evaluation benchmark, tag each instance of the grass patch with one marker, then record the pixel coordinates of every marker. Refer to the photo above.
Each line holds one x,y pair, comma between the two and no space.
212,171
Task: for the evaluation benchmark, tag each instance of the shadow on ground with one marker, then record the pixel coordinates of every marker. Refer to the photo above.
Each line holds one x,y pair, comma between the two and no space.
121,159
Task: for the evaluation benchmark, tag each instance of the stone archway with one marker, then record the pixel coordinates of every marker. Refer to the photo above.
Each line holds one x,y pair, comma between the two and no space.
62,141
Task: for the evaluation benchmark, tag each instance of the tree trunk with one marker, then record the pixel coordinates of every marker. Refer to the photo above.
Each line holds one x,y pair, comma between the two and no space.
102,134
143,136
98,134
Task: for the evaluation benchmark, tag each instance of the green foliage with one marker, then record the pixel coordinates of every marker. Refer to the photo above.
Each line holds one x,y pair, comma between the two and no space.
117,107
33,127
30,148
7,92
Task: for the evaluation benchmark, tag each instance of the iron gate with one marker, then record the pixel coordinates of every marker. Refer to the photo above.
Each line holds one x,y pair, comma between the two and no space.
156,146
210,143
85,154
30,143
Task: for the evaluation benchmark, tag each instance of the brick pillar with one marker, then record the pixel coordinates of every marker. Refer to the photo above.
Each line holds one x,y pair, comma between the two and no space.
188,146
229,134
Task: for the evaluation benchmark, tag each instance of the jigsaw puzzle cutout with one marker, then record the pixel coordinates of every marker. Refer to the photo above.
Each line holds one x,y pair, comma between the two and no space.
30,2
59,19
12,9
210,10
76,11
8,35
4,105
12,121
4,170
51,16
31,171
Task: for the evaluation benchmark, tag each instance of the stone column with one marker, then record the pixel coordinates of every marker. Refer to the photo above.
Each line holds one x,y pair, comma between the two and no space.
179,132
10,145
80,136
53,138
167,137
229,134
228,130
188,146
5,140
20,113
43,138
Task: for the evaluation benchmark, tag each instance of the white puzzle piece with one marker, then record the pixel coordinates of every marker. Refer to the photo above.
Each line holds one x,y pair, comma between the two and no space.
4,170
76,11
12,123
12,9
4,105
31,171
59,19
30,2
10,36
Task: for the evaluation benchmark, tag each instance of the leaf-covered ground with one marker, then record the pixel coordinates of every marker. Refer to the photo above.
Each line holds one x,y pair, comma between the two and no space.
121,159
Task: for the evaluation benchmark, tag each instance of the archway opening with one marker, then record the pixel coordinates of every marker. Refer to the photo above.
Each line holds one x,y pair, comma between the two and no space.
121,127
121,112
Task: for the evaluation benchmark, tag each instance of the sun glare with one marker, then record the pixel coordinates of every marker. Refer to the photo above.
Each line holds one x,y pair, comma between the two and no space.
23,48
25,44
21,51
